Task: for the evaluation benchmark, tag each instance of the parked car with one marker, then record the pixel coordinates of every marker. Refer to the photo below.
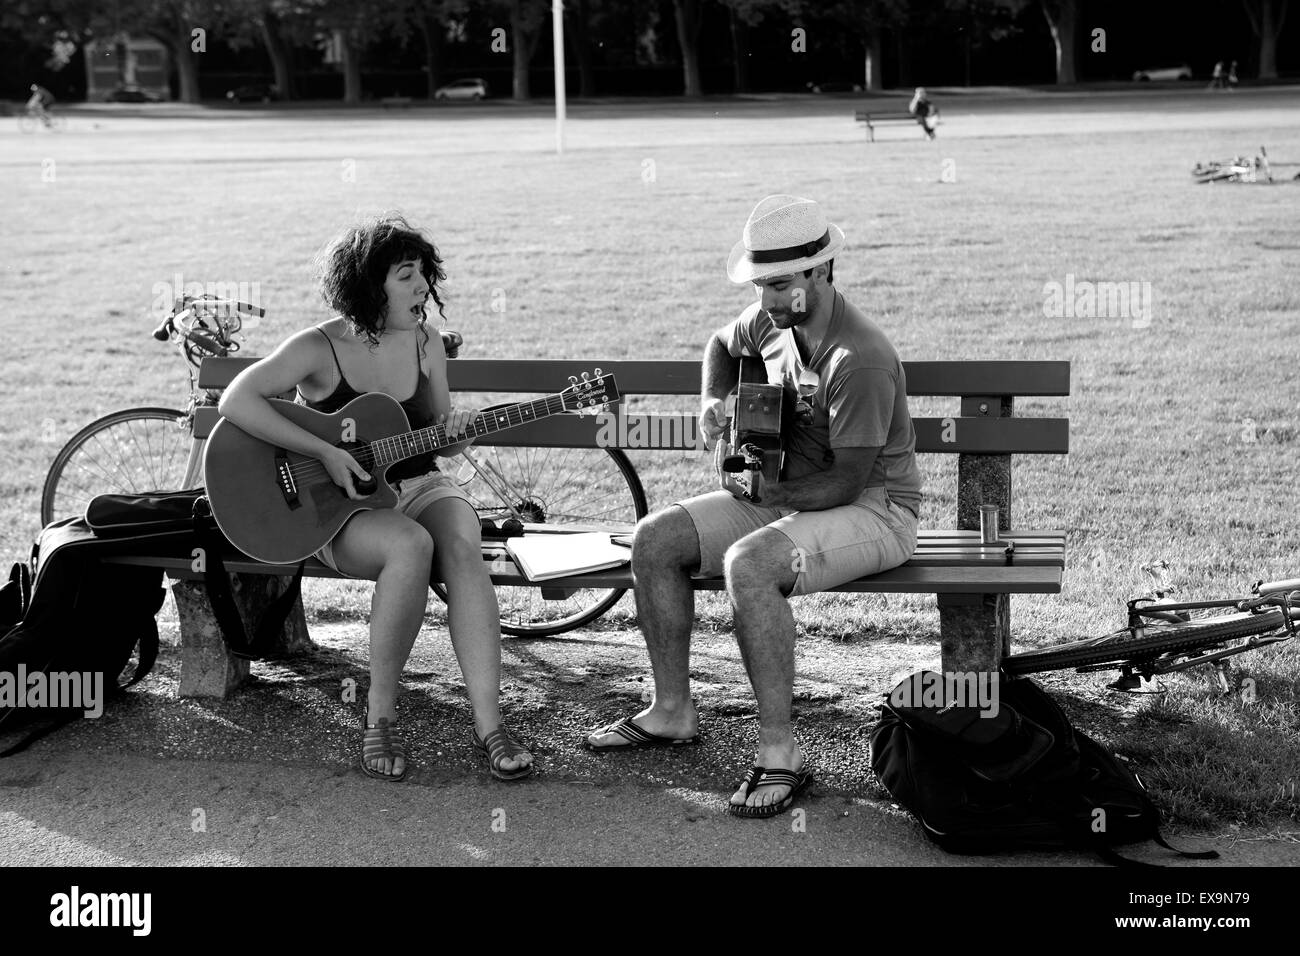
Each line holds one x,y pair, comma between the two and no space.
254,93
130,94
470,89
834,86
1183,72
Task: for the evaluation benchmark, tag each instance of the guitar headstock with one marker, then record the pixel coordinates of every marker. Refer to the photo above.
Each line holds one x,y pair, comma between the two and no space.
590,395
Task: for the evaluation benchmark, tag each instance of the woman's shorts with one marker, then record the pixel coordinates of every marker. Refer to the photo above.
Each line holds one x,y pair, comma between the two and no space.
827,548
413,496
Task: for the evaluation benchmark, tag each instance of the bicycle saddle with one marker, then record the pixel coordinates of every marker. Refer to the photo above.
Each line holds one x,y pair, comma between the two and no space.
452,342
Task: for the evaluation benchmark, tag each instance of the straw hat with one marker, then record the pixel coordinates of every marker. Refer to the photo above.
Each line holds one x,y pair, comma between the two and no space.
784,235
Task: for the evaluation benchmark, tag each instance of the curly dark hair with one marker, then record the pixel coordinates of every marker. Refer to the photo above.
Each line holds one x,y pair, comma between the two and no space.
353,267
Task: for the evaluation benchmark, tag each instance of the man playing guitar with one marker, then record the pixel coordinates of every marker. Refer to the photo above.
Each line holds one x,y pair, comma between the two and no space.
378,276
846,504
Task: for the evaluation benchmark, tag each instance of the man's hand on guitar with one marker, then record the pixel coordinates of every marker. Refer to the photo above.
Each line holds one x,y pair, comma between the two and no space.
721,449
341,467
714,421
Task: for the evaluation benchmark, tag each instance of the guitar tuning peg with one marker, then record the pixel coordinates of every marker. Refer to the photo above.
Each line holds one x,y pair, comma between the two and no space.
599,373
573,380
586,376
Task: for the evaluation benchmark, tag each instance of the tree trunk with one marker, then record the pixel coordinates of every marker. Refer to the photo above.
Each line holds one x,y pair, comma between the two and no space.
1267,17
1064,26
904,59
739,52
871,76
280,54
687,14
187,65
581,34
431,30
351,67
523,43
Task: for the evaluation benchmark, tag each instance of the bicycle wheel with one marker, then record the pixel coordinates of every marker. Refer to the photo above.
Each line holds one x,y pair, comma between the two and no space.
56,123
577,486
26,122
1122,647
131,451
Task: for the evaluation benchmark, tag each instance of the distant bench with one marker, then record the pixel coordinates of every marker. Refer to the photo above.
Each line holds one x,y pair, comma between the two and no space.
395,102
875,119
972,581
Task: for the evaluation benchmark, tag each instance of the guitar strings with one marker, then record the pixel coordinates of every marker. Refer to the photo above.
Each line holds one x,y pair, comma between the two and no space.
366,457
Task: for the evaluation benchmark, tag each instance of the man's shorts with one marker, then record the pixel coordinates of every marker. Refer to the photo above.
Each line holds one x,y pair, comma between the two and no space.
827,548
413,496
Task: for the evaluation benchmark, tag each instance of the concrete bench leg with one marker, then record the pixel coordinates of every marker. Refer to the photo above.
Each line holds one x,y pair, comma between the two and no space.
208,669
974,631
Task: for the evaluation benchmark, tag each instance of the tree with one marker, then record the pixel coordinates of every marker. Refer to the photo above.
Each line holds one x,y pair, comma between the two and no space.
1063,20
579,33
867,20
741,15
1267,17
526,20
689,19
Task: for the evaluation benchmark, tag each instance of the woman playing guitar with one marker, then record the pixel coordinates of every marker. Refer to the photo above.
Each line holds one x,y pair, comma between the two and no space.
378,277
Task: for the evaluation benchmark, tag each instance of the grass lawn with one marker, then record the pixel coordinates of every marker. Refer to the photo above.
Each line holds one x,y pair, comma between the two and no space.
1184,433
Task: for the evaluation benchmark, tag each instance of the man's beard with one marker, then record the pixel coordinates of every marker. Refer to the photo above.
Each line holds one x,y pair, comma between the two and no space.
812,299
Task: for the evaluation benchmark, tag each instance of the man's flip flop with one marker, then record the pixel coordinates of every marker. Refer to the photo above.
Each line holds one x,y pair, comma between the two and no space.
636,738
796,780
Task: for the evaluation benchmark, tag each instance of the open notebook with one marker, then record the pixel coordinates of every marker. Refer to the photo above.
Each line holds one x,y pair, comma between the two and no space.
544,556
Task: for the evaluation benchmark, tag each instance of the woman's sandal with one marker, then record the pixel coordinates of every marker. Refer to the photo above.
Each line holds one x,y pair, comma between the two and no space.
497,746
380,741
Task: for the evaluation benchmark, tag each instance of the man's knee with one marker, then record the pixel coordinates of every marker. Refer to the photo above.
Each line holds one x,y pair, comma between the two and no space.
667,537
763,559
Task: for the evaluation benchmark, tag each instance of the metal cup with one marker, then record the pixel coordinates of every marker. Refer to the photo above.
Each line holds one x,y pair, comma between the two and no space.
989,524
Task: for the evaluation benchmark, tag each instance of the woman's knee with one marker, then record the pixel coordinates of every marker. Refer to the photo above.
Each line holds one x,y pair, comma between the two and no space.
409,544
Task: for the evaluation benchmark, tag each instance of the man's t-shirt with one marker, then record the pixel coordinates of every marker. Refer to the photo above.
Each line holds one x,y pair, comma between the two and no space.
860,400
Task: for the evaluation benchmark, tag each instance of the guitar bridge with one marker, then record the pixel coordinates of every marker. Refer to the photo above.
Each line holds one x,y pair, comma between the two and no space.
284,478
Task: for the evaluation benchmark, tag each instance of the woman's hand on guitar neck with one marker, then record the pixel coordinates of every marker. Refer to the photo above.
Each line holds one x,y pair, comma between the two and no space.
341,467
456,422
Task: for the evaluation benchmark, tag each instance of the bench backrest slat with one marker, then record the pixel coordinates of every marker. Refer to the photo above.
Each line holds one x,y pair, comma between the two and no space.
637,377
981,436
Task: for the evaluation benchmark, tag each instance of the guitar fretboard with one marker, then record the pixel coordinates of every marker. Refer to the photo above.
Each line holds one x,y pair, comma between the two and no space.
424,440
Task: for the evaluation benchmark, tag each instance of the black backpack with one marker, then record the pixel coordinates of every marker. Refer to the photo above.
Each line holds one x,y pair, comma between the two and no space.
69,628
69,613
1020,777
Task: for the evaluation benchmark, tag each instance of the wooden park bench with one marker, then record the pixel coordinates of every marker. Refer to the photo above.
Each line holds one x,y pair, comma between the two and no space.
973,582
395,102
875,119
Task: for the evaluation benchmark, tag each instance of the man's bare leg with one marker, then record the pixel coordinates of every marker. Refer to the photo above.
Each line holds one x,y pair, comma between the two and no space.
760,572
664,552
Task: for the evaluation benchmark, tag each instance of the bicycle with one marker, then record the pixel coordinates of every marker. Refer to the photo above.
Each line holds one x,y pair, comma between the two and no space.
29,119
152,448
1163,636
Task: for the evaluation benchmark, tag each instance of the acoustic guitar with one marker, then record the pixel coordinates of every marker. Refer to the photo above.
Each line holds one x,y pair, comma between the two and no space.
756,409
280,506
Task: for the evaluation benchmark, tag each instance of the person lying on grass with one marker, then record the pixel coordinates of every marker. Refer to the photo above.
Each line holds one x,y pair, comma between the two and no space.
378,276
846,505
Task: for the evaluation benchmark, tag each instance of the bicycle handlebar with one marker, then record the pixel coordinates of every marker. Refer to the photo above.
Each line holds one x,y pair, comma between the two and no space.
1269,587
